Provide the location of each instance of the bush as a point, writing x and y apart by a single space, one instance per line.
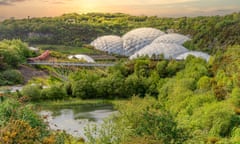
84 89
54 92
7 110
204 83
110 87
12 77
13 52
137 119
19 131
32 91
135 85
161 68
235 97
20 124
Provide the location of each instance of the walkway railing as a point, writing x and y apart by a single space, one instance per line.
71 64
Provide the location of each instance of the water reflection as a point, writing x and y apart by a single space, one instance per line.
73 119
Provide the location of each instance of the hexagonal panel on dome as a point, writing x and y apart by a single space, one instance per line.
193 53
168 50
138 38
172 38
111 44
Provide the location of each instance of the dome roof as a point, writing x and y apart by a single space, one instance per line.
138 38
111 44
82 57
172 38
167 49
193 53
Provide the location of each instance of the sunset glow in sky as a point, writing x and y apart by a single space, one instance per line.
169 8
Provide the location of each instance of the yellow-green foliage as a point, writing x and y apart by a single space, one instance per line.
138 119
19 131
20 124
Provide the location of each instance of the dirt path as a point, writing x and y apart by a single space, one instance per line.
30 72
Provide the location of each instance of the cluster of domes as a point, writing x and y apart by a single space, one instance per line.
147 42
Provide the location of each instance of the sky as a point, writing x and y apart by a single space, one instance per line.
162 8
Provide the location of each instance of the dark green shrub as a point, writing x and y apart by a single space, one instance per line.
12 77
110 87
173 67
161 68
32 91
84 89
54 92
135 85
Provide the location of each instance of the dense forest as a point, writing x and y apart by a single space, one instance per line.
165 101
207 33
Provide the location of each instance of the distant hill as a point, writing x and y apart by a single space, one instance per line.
208 33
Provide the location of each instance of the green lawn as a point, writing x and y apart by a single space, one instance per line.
69 49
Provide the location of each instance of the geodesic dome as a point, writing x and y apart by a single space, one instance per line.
168 50
172 38
111 44
193 53
138 38
82 57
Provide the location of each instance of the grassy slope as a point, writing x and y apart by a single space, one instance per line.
69 49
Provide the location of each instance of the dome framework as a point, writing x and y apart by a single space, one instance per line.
194 53
169 51
111 44
172 38
139 38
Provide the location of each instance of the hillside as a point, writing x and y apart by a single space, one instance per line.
160 100
207 33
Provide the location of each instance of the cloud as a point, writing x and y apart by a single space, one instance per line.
9 2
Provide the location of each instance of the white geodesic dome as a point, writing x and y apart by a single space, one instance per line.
111 44
172 38
138 38
168 50
82 57
193 53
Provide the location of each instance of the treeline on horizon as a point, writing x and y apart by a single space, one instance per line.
208 33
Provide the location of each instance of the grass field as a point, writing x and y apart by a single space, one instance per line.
76 101
69 49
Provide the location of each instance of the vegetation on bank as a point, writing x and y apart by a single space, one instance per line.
85 49
12 54
191 101
73 102
20 124
198 103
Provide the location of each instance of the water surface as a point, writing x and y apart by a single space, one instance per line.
73 119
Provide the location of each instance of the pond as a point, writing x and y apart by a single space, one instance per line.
73 119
